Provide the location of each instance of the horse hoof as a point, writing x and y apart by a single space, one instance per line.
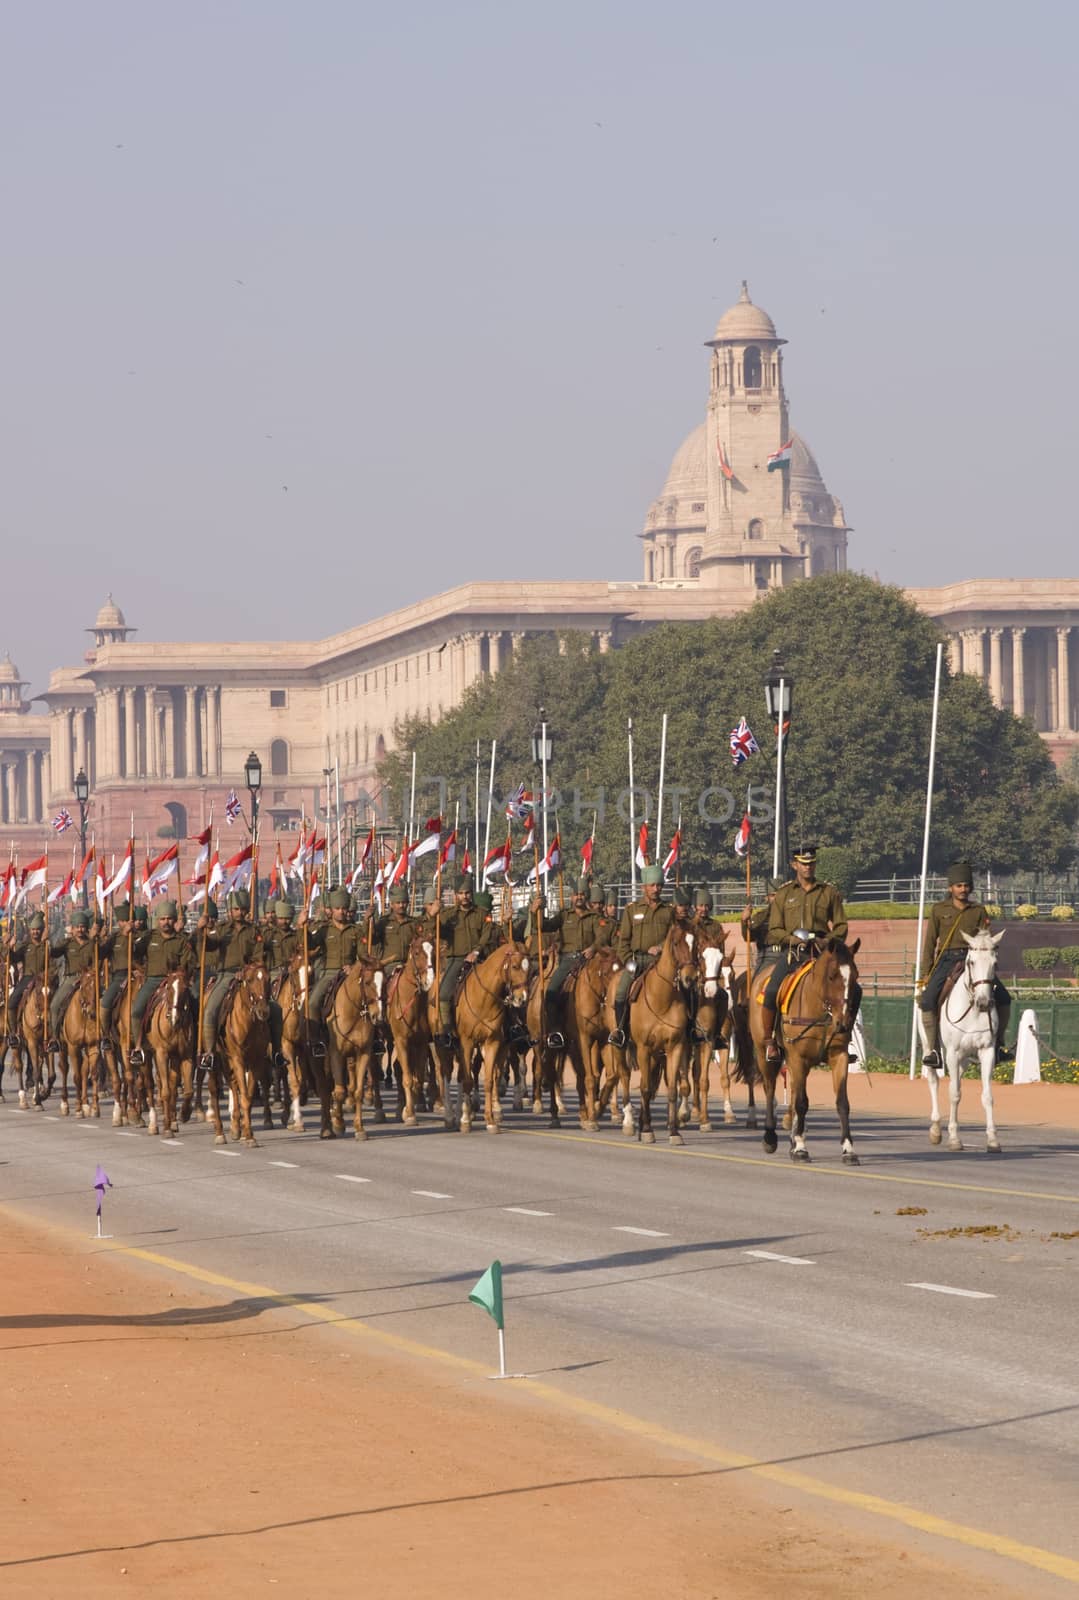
22 1099
850 1159
361 1133
590 1127
493 1127
464 1126
117 1117
751 1120
327 1133
730 1120
788 1119
78 1112
934 1133
380 1115
410 1122
955 1144
648 1138
675 1138
219 1138
705 1127
799 1155
770 1142
555 1122
993 1148
198 1115
294 1127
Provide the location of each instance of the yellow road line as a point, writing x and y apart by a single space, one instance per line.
638 1428
780 1166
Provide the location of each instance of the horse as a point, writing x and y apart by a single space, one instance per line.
355 1012
713 1001
33 1059
548 1060
300 1062
170 1037
968 1032
245 1030
818 1034
658 1026
407 1014
80 1048
492 986
586 1031
735 1046
138 1081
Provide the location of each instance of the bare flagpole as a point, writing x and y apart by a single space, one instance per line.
925 858
632 814
780 748
490 800
662 774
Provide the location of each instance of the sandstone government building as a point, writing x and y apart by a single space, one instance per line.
162 729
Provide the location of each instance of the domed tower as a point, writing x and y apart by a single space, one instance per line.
109 625
11 686
745 507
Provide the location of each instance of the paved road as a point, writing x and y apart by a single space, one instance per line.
788 1314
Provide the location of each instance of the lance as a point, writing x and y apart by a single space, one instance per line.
561 882
7 959
925 856
749 885
490 798
662 772
632 814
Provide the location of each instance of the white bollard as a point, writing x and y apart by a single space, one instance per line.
1027 1054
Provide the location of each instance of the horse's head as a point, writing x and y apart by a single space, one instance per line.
372 983
517 971
981 965
177 991
839 977
682 944
255 983
710 961
421 955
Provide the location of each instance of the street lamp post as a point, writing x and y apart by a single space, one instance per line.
253 779
82 795
777 694
542 753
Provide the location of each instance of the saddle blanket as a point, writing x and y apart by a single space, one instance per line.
790 986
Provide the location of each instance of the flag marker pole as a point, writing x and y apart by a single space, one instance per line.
925 859
632 814
490 799
780 748
662 774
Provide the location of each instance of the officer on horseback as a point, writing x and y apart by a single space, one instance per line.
644 926
236 944
80 954
338 943
392 935
168 950
114 948
943 948
755 920
575 929
469 933
803 910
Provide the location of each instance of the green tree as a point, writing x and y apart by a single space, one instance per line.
862 661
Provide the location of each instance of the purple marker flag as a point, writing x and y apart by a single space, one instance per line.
102 1181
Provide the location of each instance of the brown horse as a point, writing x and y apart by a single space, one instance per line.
80 1048
734 1048
658 1029
355 1012
713 1000
816 1033
407 1013
170 1035
586 1031
300 1063
33 1059
548 1060
138 1081
492 986
245 1032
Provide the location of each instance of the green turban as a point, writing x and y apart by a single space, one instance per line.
652 875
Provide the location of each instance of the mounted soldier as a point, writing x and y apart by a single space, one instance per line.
167 950
755 920
644 926
606 926
703 920
236 944
469 934
944 948
114 947
392 935
29 954
803 910
281 942
79 952
337 942
575 930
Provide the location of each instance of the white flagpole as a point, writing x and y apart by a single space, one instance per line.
779 778
411 820
477 812
925 859
662 773
337 808
632 815
490 801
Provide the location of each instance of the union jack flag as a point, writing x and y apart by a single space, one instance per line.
743 744
233 808
519 804
62 820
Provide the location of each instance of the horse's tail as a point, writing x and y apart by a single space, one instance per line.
745 1060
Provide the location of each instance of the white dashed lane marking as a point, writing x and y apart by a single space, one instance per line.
172 1144
524 1211
788 1261
120 1134
226 1152
645 1233
946 1288
432 1194
350 1177
284 1163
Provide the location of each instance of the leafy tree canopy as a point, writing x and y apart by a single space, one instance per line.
861 657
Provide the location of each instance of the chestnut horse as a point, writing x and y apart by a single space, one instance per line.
492 986
245 1031
80 1048
713 1000
586 1031
816 1034
32 1056
355 1012
407 1014
658 1026
300 1063
170 1035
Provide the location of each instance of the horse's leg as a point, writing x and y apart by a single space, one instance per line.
244 1082
589 1048
798 1074
294 1068
987 1061
265 1075
840 1068
934 1105
92 1057
955 1064
491 1058
645 1068
769 1073
64 1107
362 1071
705 1053
674 1068
337 1069
187 1081
551 1067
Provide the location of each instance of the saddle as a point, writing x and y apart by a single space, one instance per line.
790 986
330 996
948 985
637 985
574 973
391 987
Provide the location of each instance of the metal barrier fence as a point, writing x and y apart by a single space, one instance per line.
887 1020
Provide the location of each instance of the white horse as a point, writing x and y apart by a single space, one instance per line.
968 1032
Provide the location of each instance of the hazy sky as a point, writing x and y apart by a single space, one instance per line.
315 309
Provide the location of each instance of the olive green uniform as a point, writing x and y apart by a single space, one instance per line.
641 927
165 953
31 957
817 909
114 948
576 932
755 928
944 945
464 929
78 957
337 948
236 945
606 931
391 939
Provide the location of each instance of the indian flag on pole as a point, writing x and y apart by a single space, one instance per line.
781 457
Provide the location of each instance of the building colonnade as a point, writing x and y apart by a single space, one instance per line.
1030 670
138 732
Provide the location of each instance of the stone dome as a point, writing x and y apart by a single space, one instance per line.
110 615
682 501
744 321
9 672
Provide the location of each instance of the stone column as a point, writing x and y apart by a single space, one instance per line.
1019 677
112 734
954 652
61 747
1063 717
168 730
191 744
494 653
11 784
603 640
149 716
974 652
131 735
996 666
79 719
46 780
517 640
213 738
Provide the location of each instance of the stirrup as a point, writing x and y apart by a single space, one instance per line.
1005 1053
279 1059
617 1037
447 1039
13 1041
772 1052
379 1046
931 1059
206 1060
318 1049
556 1040
53 1046
137 1057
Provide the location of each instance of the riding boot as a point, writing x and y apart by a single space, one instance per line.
931 1030
1003 1051
617 1035
772 1053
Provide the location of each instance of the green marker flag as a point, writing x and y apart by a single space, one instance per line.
488 1294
